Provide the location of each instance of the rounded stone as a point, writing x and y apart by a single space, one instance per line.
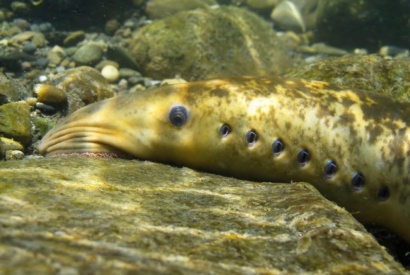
54 58
88 54
127 73
83 86
208 43
23 36
110 73
50 95
106 62
287 16
39 40
14 155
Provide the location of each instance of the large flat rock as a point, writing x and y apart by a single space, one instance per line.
89 215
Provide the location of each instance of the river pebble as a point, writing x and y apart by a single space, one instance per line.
88 54
50 95
110 73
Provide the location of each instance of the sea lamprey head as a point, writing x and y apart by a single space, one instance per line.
159 124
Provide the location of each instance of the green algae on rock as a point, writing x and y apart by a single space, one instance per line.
15 121
82 85
43 124
208 43
369 73
95 215
10 144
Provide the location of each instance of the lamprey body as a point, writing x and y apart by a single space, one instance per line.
352 146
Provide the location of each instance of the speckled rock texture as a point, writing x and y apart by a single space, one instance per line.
96 216
371 73
15 121
207 43
11 89
82 85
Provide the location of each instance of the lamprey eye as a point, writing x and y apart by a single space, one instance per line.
251 137
384 193
225 130
277 147
178 115
330 169
357 181
303 157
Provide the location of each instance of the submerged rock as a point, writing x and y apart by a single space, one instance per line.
94 215
82 86
208 43
89 54
286 15
369 73
11 89
15 121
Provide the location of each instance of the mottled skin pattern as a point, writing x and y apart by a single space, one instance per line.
359 131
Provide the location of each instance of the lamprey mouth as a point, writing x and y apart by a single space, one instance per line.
81 141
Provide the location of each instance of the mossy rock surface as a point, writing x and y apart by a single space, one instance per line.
83 85
370 73
11 89
15 121
208 43
89 215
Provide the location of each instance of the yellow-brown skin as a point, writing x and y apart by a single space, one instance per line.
359 131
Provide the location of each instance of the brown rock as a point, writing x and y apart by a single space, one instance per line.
89 215
50 94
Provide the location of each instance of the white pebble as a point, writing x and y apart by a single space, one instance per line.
14 155
42 78
110 73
